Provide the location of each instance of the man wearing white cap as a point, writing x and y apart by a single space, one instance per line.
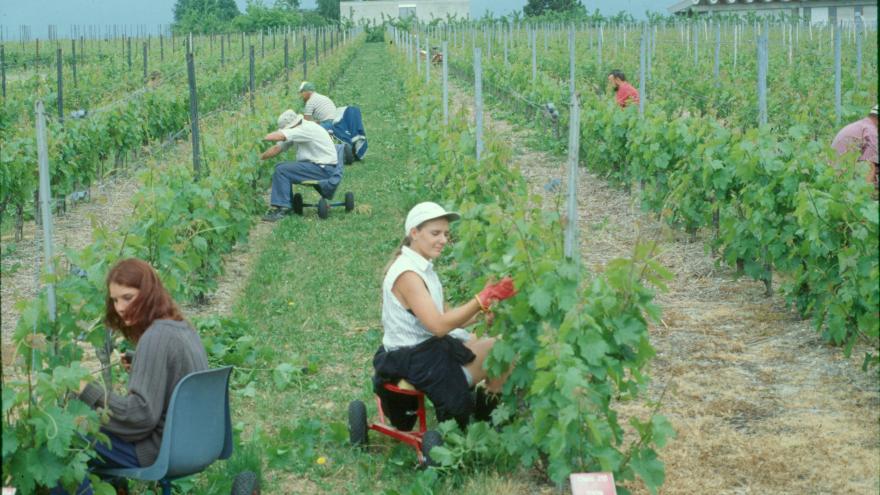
423 342
860 136
317 159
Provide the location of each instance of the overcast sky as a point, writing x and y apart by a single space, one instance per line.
151 13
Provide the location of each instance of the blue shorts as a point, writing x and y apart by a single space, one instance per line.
119 454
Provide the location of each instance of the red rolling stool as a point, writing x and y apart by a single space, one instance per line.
422 440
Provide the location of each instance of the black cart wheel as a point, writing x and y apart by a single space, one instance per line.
430 440
246 483
357 423
347 154
298 203
349 201
323 208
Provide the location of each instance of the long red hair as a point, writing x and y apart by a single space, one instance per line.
152 303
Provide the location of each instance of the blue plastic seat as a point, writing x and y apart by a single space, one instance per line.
196 432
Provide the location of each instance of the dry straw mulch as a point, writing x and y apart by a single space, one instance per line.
760 404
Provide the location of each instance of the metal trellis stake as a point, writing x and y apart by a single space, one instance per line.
286 62
45 207
859 33
837 73
3 68
251 84
571 75
445 85
762 74
59 64
193 113
73 60
534 56
573 158
478 99
717 54
643 54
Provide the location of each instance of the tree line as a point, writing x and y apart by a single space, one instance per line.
217 16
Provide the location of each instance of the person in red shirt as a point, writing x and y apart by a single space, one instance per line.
861 136
626 93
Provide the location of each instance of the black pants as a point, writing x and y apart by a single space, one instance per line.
434 367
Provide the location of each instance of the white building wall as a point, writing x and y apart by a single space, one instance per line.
426 10
846 14
819 15
869 15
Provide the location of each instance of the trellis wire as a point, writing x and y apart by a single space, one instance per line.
445 84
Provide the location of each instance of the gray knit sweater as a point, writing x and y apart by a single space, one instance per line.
166 352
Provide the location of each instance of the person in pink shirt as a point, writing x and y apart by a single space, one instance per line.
626 93
860 136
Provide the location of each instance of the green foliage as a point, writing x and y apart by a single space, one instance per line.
182 227
375 34
258 17
223 10
579 340
540 7
246 456
203 16
44 439
480 447
773 197
329 9
425 483
81 148
287 4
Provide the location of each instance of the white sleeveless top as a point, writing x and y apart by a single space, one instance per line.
402 328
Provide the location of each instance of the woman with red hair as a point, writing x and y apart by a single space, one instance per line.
167 349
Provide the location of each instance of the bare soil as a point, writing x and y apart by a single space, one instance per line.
110 205
237 266
759 402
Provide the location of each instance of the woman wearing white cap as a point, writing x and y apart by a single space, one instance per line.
423 342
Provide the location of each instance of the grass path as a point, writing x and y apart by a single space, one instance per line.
759 404
314 294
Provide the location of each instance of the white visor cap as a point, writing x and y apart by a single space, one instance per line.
423 212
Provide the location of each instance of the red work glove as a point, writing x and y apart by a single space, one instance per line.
496 292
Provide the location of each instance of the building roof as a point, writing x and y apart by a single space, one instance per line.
683 6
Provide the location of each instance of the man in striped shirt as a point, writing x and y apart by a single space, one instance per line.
319 108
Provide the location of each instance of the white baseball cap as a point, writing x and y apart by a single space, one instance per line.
288 119
423 212
873 111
